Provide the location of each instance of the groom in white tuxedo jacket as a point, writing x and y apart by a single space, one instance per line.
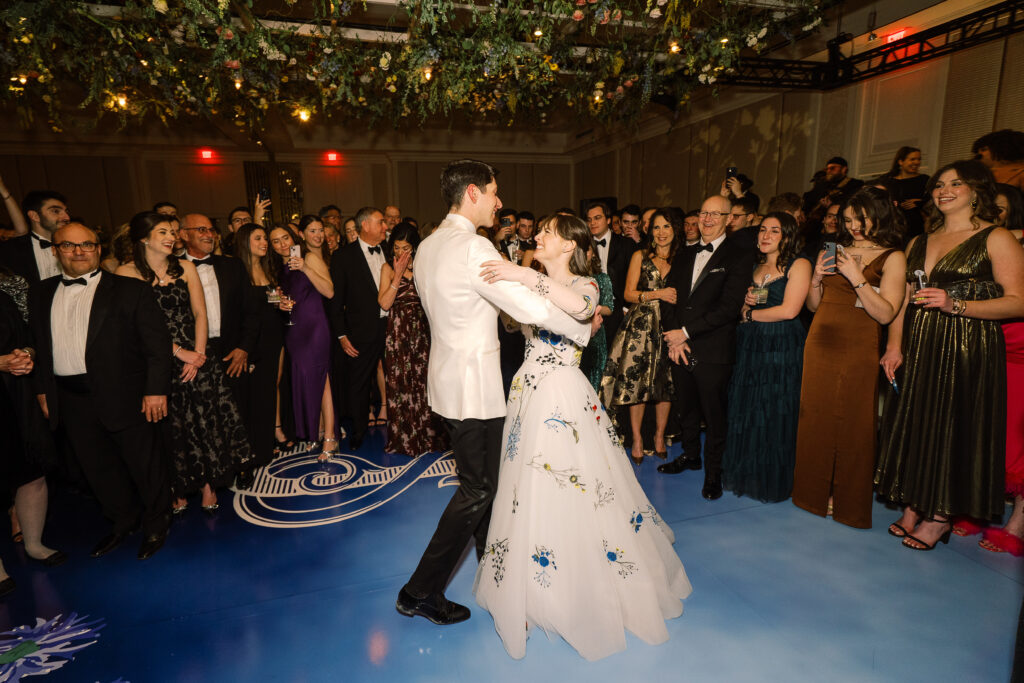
464 375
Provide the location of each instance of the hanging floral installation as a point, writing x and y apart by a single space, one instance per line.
398 62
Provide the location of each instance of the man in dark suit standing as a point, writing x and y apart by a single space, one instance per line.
614 252
710 279
357 320
232 314
30 256
102 376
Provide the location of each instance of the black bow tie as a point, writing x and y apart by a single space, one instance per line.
77 281
45 244
601 242
208 261
707 247
374 250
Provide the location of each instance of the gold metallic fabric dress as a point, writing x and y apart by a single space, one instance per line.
943 442
638 367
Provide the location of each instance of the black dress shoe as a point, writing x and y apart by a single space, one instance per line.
435 608
7 586
54 559
153 542
712 487
108 543
679 465
245 479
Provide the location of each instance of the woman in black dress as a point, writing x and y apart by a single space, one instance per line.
907 187
208 444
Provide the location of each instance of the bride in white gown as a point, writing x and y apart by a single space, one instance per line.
574 546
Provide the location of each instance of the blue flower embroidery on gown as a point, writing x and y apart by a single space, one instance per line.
565 486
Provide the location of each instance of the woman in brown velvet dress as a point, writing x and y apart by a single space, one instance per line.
412 428
835 448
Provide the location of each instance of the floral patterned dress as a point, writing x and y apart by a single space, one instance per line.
208 442
574 546
638 368
412 428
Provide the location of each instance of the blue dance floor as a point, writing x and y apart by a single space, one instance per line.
297 580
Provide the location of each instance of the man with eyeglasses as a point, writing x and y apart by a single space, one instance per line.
31 255
103 372
232 312
710 279
743 225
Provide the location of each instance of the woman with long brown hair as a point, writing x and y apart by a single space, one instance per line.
944 439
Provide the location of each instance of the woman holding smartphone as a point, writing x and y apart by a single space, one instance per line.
306 281
851 296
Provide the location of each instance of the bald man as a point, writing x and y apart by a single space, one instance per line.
710 279
103 373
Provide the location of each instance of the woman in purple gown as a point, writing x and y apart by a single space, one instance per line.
306 281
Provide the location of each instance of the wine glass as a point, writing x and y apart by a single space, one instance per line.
288 303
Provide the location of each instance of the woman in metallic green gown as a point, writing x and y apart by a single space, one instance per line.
943 440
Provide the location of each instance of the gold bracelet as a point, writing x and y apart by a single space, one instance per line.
958 307
641 297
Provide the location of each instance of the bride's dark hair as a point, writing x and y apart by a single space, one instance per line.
574 229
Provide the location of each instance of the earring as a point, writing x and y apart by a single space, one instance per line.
974 203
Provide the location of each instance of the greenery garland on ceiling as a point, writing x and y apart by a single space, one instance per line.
509 61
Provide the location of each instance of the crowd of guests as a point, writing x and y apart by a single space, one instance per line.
170 357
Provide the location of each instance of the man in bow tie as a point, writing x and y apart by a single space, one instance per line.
710 279
614 252
30 256
357 320
103 372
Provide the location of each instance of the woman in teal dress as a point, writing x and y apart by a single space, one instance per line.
596 353
943 442
764 393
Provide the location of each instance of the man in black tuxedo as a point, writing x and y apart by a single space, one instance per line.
232 313
30 256
103 372
710 279
357 320
615 252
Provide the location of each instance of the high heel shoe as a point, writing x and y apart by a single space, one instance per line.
326 453
944 538
211 510
285 444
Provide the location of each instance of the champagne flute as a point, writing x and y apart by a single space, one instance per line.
288 303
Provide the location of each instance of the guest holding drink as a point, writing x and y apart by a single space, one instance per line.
852 295
764 391
306 282
413 429
944 439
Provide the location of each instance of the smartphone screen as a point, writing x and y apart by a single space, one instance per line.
830 253
730 172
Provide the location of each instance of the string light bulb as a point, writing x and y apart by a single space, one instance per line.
122 101
537 32
303 115
673 47
238 84
724 41
22 79
428 73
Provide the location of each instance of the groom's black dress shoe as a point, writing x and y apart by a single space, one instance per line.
435 608
153 543
712 486
108 543
679 464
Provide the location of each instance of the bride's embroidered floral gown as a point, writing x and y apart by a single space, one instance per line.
574 546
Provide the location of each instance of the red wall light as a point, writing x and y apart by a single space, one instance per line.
206 154
332 157
896 35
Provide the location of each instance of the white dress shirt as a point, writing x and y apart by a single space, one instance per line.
602 251
376 262
464 371
208 278
703 257
69 324
46 259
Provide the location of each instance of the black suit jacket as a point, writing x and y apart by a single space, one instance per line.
127 352
239 305
16 254
354 310
711 311
620 251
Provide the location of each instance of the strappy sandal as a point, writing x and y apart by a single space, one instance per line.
326 453
944 538
1002 541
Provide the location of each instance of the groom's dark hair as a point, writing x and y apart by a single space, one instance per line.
458 175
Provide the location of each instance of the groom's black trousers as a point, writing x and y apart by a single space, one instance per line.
477 446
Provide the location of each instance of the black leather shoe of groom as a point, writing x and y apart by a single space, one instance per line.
712 486
435 608
680 464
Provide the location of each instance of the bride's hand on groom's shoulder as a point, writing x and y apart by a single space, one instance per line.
498 270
